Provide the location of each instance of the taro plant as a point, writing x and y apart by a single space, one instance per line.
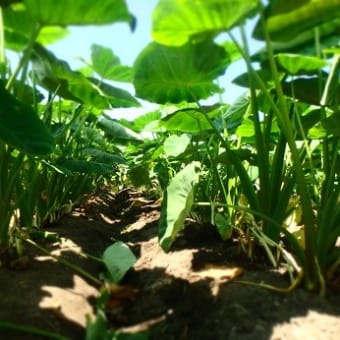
282 155
49 149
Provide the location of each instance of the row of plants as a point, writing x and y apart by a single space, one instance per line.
264 168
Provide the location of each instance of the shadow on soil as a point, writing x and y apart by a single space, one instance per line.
171 303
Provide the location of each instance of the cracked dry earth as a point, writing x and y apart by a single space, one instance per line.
184 294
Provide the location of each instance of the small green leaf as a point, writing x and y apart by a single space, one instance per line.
108 66
223 226
246 129
177 202
176 145
118 259
174 74
298 64
21 127
97 328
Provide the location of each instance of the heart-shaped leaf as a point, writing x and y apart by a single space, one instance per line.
173 74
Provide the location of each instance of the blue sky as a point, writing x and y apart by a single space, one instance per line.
126 44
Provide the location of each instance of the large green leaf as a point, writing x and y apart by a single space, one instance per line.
108 65
78 12
118 259
19 26
173 74
177 203
56 76
286 20
175 22
21 127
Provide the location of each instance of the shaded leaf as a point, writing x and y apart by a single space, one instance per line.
175 22
118 98
286 20
265 75
303 89
332 124
139 175
173 74
177 202
56 76
70 166
117 130
21 127
104 157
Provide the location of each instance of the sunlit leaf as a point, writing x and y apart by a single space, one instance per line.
175 22
78 12
108 65
173 74
299 64
118 259
286 20
21 127
19 26
177 202
246 129
175 145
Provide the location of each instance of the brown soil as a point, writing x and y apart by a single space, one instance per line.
175 295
